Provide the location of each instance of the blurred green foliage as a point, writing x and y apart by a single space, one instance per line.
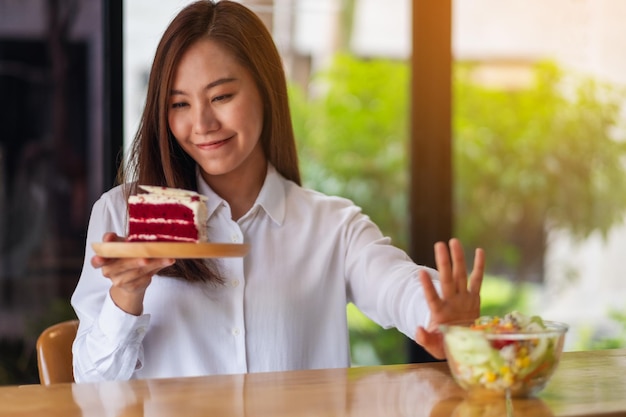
351 133
592 341
372 345
532 159
525 160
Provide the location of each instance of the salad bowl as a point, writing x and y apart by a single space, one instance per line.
512 356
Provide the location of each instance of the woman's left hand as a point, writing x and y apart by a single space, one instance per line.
460 294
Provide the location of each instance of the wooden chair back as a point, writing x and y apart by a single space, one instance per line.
54 353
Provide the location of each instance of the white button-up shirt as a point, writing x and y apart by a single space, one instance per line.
282 307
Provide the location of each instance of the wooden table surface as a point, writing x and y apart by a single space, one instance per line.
585 384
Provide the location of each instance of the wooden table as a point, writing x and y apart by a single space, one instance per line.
586 384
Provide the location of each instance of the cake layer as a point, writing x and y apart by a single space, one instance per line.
162 231
167 214
142 210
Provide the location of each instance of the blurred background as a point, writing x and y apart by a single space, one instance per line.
538 94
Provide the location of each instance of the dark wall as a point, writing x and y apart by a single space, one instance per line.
60 133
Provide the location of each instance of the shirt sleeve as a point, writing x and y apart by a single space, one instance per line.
108 345
382 280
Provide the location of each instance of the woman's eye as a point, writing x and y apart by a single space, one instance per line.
178 105
222 97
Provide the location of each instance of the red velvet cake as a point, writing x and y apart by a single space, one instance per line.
167 215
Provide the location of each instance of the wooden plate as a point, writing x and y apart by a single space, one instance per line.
177 250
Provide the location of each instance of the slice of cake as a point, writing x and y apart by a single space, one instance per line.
167 215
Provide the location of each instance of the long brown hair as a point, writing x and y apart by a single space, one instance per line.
156 158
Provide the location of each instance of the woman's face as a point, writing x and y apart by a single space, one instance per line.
215 111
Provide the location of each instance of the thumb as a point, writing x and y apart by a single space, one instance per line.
431 341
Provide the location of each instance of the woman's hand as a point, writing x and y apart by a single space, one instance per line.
130 277
460 296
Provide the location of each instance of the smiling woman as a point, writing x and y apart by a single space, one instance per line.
217 122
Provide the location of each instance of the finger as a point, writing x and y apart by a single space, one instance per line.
421 336
134 280
476 279
459 271
138 283
442 259
120 266
130 267
112 237
430 292
101 262
431 341
98 261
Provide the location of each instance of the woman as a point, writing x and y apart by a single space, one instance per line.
217 121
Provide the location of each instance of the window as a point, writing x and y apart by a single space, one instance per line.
539 161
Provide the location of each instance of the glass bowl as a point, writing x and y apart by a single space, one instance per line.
509 363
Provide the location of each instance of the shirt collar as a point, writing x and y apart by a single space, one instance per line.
271 198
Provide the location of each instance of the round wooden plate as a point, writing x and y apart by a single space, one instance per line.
177 250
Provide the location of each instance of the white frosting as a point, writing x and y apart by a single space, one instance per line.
159 195
164 221
179 192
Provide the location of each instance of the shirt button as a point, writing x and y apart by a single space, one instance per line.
236 331
235 283
234 238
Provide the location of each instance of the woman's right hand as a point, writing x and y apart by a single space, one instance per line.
130 277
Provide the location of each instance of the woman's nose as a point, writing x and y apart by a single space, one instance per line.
205 120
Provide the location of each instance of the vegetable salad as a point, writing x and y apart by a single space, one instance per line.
514 352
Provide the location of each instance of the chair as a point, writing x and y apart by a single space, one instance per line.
54 353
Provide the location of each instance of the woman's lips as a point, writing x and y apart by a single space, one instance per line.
213 145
